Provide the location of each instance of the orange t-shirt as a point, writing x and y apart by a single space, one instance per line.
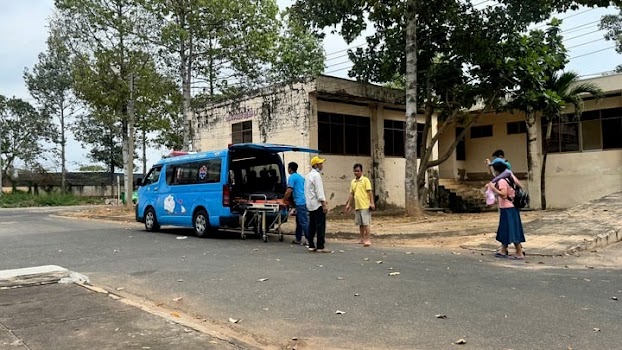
506 202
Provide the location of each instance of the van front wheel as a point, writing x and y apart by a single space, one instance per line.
201 224
151 221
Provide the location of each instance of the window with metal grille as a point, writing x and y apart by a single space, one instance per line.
344 134
242 132
395 138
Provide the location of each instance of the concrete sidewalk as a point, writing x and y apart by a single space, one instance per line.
37 312
588 226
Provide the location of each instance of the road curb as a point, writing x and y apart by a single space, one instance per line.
413 235
599 241
46 274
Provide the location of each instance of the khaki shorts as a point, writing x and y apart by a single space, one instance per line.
362 217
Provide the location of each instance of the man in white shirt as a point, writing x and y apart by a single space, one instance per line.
316 205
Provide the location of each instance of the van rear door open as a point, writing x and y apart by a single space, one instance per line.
257 171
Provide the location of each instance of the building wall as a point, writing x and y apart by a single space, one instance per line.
279 116
589 174
291 116
579 177
514 146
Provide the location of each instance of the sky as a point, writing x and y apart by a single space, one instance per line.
23 33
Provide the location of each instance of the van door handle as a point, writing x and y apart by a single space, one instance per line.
155 189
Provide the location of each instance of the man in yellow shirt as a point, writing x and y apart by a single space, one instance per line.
361 194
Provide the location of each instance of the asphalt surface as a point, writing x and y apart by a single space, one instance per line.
546 303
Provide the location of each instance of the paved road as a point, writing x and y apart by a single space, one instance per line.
546 303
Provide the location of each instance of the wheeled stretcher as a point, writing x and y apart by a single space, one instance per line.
261 215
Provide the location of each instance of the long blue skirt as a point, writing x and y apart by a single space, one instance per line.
510 227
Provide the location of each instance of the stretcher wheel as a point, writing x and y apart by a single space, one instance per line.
243 236
265 238
280 237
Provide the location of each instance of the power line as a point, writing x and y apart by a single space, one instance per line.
579 27
565 31
582 35
586 43
593 52
346 49
563 18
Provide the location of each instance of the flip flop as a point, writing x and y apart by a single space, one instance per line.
500 255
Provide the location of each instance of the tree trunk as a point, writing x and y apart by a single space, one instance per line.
545 152
144 153
413 206
129 166
186 83
533 163
63 177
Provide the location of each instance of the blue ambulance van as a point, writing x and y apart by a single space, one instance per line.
200 190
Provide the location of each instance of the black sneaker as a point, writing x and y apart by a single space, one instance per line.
295 242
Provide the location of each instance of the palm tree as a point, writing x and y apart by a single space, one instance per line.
563 89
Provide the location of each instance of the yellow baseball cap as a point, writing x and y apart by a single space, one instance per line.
317 160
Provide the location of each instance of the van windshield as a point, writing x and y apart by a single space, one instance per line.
256 173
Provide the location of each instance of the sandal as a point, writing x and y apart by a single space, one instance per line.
500 255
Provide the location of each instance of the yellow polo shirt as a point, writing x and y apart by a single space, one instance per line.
359 188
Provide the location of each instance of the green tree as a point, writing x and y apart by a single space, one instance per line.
103 135
212 43
298 52
562 89
50 84
613 25
111 63
412 38
22 131
538 56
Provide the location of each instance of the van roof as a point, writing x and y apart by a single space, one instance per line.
268 147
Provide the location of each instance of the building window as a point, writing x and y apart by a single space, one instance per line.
395 138
594 130
461 146
612 128
242 132
481 131
344 134
516 128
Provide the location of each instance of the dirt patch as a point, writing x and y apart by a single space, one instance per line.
112 212
434 229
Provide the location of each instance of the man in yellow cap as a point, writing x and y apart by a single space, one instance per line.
316 205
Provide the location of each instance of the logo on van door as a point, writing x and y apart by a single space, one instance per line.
170 204
202 172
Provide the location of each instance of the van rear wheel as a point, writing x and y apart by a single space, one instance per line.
200 222
151 221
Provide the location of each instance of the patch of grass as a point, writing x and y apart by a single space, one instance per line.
19 199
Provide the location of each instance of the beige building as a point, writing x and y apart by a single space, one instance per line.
584 159
351 122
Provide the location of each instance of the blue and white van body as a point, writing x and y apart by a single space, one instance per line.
199 190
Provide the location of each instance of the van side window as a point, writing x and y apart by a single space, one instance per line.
205 171
170 171
153 176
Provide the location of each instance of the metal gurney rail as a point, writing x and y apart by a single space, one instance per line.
255 214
